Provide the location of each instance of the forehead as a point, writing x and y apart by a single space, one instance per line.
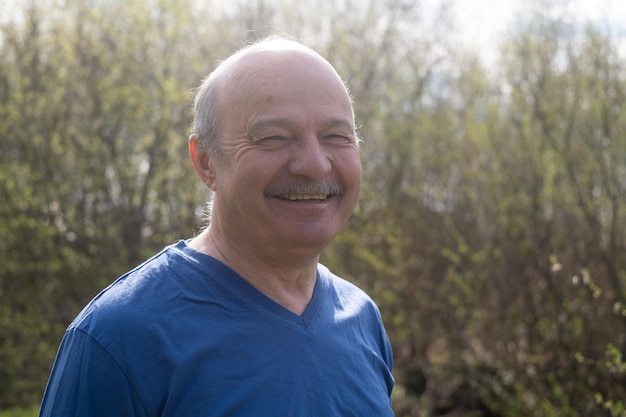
282 77
273 56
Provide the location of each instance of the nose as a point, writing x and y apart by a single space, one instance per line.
309 158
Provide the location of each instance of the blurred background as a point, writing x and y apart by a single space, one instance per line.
491 228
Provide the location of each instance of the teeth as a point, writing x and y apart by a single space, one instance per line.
294 197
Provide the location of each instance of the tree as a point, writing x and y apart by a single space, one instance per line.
95 115
491 223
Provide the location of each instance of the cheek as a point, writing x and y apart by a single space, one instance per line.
350 167
349 173
253 173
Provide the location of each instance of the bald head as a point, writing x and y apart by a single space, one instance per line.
246 71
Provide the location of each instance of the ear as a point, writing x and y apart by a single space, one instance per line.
203 163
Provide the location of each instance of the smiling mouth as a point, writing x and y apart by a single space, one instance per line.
300 197
304 191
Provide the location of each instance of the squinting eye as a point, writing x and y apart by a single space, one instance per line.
272 138
339 139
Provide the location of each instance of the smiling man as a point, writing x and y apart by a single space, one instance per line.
242 320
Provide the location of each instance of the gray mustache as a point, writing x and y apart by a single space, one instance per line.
304 188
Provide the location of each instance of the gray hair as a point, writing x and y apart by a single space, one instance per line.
206 115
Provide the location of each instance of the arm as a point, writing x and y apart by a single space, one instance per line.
87 381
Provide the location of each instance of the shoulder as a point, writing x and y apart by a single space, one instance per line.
135 295
355 312
339 283
346 294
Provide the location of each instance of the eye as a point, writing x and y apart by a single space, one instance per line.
273 141
339 138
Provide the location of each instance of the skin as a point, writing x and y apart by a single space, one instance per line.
285 118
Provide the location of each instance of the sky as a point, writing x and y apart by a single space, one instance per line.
483 22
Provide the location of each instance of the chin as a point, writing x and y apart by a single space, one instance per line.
305 241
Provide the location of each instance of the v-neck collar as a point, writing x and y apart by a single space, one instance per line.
250 295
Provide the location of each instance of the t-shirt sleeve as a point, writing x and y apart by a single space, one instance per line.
386 351
87 382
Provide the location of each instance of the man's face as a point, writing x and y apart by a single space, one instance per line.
289 175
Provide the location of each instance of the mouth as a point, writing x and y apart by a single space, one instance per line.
298 191
305 197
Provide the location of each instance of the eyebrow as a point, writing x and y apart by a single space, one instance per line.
340 122
330 123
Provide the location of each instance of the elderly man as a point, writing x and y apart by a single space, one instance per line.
242 320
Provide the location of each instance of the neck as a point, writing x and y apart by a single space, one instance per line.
289 282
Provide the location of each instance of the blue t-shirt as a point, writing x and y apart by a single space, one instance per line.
183 335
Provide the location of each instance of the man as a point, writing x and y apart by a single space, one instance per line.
242 320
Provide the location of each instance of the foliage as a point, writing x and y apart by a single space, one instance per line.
492 223
20 412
